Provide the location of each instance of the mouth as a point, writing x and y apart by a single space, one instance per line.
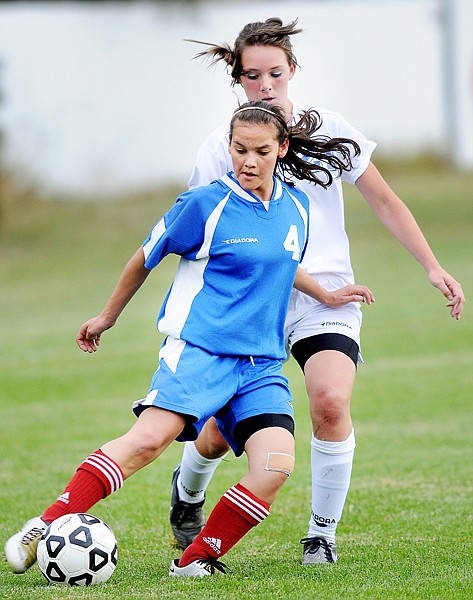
268 99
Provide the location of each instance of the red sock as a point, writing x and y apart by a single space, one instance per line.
97 477
237 511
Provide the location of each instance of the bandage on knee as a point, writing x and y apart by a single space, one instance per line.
280 462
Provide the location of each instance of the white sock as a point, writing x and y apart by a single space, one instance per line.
195 474
331 471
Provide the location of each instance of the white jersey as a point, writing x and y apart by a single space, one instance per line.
327 256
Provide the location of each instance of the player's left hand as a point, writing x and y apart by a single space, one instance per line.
452 291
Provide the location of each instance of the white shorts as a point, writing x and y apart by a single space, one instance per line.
306 317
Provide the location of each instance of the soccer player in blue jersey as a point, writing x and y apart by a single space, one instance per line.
324 335
240 240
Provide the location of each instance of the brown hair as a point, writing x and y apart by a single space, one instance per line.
308 155
270 33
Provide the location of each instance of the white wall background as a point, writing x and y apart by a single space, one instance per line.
100 98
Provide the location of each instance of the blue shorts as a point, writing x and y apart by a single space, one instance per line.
199 385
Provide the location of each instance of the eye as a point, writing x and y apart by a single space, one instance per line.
276 74
251 76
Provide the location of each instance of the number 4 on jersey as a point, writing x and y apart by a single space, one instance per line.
291 243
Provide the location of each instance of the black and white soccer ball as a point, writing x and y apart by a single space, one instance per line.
77 549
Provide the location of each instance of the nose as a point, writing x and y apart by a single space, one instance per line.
250 160
265 83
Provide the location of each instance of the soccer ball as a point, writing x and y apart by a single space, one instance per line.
77 549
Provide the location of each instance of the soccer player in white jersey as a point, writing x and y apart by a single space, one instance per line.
325 340
240 241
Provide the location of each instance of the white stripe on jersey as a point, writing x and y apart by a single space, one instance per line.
156 233
237 189
278 190
244 194
302 211
210 226
189 279
108 468
171 352
246 503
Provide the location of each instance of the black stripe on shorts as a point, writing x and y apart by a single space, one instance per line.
303 349
246 428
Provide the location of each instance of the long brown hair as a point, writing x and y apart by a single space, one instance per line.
309 155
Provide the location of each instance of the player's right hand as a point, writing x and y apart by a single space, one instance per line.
88 337
350 293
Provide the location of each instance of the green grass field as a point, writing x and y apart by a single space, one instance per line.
407 529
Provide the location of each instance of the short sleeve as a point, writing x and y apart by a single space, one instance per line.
180 231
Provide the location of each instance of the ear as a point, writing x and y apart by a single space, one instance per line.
283 148
292 70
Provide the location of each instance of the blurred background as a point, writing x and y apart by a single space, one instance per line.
99 99
103 101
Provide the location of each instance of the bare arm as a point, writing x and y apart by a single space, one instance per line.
132 278
350 293
398 219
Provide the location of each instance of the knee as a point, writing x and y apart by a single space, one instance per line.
148 448
146 452
265 485
210 442
329 406
266 481
215 447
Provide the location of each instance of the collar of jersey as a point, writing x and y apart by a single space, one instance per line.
233 184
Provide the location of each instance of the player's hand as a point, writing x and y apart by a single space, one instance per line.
350 293
452 291
88 337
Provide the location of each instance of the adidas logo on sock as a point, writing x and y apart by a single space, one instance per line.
214 543
64 498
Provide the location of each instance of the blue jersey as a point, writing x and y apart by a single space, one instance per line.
238 262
